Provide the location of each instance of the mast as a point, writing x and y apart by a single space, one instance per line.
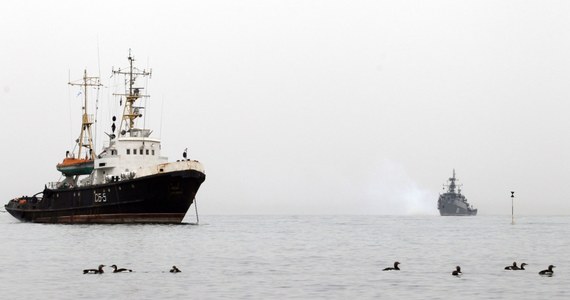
86 137
452 183
131 112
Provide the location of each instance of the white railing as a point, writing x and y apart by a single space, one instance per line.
52 185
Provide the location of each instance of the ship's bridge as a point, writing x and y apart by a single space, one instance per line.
127 154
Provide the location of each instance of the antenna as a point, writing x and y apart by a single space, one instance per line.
512 208
98 90
70 106
161 114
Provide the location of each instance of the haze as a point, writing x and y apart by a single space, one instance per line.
307 107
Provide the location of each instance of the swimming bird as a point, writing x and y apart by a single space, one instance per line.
522 266
175 270
94 271
549 272
120 270
513 267
395 268
457 271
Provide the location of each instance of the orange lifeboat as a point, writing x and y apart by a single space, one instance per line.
76 166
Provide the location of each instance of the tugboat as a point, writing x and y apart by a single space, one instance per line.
127 182
452 203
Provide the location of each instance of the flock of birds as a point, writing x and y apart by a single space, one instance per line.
457 272
116 269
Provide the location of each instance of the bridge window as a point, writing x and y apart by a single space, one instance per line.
146 151
134 151
128 151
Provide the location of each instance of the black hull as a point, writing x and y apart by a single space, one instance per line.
161 198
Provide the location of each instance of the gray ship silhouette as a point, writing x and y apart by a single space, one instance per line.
452 203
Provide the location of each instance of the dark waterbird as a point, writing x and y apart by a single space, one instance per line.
175 270
522 266
457 271
395 268
549 272
513 267
120 270
94 271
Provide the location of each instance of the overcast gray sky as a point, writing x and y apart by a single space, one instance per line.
308 107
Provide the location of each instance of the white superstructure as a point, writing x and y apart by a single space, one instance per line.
131 152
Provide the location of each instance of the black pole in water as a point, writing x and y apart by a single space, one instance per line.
512 208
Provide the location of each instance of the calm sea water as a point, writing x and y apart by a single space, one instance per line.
289 257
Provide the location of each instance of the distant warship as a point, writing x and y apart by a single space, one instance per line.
454 204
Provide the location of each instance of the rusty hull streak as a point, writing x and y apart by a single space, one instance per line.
164 218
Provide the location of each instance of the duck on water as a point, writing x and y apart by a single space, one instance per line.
395 268
457 271
515 267
116 270
175 270
99 270
548 272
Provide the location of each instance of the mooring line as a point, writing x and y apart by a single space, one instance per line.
196 209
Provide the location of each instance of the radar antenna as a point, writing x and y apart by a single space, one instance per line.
131 112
